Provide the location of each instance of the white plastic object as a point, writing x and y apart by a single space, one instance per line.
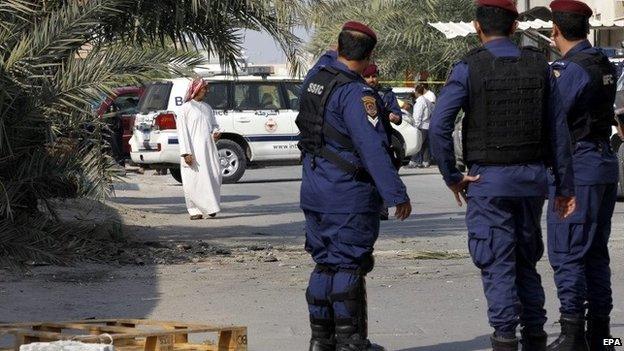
66 346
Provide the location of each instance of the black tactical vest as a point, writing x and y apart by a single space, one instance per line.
593 121
311 119
506 121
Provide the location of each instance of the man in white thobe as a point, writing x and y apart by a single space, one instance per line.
201 172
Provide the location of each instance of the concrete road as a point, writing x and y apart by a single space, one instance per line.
425 294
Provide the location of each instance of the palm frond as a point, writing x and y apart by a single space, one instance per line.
406 41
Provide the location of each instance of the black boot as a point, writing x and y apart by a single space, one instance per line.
572 337
534 340
598 330
322 335
504 344
352 333
348 338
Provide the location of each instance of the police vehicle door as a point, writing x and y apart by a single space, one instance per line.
260 118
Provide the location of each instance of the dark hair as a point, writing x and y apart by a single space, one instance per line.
420 89
355 46
495 21
425 85
573 26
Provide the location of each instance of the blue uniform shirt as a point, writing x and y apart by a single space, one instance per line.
593 163
328 189
517 180
391 103
328 58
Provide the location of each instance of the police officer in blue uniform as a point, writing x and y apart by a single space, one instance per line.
510 129
388 108
577 246
389 112
347 177
388 97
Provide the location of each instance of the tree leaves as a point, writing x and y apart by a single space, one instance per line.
406 41
59 58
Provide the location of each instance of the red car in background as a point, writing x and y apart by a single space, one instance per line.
123 107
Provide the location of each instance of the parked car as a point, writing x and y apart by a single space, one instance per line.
123 104
255 112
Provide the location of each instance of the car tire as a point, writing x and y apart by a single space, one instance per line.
620 154
176 174
232 160
396 140
616 142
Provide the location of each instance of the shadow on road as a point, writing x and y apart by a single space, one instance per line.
84 290
176 200
226 225
264 181
478 343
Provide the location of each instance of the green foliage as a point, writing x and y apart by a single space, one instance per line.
406 41
58 58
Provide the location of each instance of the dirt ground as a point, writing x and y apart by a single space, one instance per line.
248 267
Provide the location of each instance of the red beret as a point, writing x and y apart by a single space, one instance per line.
571 6
359 27
370 70
508 5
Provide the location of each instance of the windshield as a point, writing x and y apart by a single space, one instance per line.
156 97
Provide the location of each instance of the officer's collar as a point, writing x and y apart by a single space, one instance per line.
498 42
584 45
341 66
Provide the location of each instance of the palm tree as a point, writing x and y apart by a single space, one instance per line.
51 144
406 41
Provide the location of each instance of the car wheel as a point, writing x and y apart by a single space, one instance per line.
176 174
232 160
620 154
398 141
616 142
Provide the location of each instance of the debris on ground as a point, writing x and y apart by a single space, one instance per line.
432 255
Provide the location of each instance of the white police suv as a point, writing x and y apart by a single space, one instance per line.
256 113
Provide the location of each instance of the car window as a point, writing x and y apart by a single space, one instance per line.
292 94
156 97
217 96
257 96
128 102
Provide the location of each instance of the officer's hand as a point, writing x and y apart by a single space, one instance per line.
403 211
459 189
189 159
565 206
394 118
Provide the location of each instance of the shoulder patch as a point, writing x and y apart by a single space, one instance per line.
370 105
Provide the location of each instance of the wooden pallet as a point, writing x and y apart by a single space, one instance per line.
129 334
